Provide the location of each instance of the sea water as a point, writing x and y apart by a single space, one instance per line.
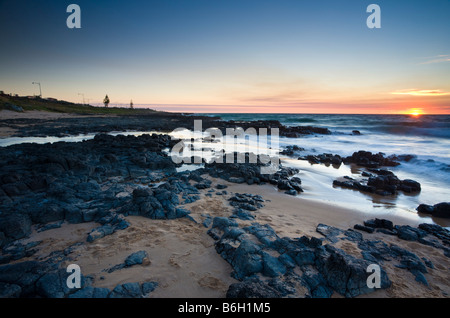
426 137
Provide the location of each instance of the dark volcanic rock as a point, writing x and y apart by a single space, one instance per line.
252 288
15 226
291 150
325 158
91 292
440 210
379 224
54 284
425 208
127 290
345 273
110 225
10 290
136 258
409 233
363 228
370 160
384 183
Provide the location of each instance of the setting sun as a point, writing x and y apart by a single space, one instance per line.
416 112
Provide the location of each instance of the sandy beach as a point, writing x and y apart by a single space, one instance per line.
183 261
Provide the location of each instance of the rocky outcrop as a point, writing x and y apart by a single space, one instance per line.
265 264
136 258
371 160
381 182
440 210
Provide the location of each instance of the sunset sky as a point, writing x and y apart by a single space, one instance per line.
277 56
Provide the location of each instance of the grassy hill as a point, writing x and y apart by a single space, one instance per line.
8 102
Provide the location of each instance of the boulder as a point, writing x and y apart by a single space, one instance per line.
247 260
100 232
345 273
140 257
379 223
409 233
15 226
223 222
363 228
54 284
272 267
442 210
316 284
425 208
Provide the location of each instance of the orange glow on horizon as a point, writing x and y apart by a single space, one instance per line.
415 112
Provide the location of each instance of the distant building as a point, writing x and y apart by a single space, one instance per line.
2 93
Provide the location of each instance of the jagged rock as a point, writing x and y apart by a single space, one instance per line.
316 284
100 232
127 290
247 260
223 222
252 288
54 284
91 292
136 258
329 232
363 228
15 226
272 267
379 223
345 273
408 233
385 183
367 159
265 234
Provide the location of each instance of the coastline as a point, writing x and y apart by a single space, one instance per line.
184 263
105 199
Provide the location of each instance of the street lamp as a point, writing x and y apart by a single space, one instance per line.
40 91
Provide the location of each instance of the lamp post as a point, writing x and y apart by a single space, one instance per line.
40 91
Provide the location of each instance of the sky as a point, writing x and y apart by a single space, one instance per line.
218 56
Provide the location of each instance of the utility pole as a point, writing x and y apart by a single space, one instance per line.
83 97
40 91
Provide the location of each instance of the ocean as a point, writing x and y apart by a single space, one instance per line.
426 137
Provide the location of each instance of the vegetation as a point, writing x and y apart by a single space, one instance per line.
41 104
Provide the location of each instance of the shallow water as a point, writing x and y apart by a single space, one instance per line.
431 167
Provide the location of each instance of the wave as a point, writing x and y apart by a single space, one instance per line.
301 120
426 125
